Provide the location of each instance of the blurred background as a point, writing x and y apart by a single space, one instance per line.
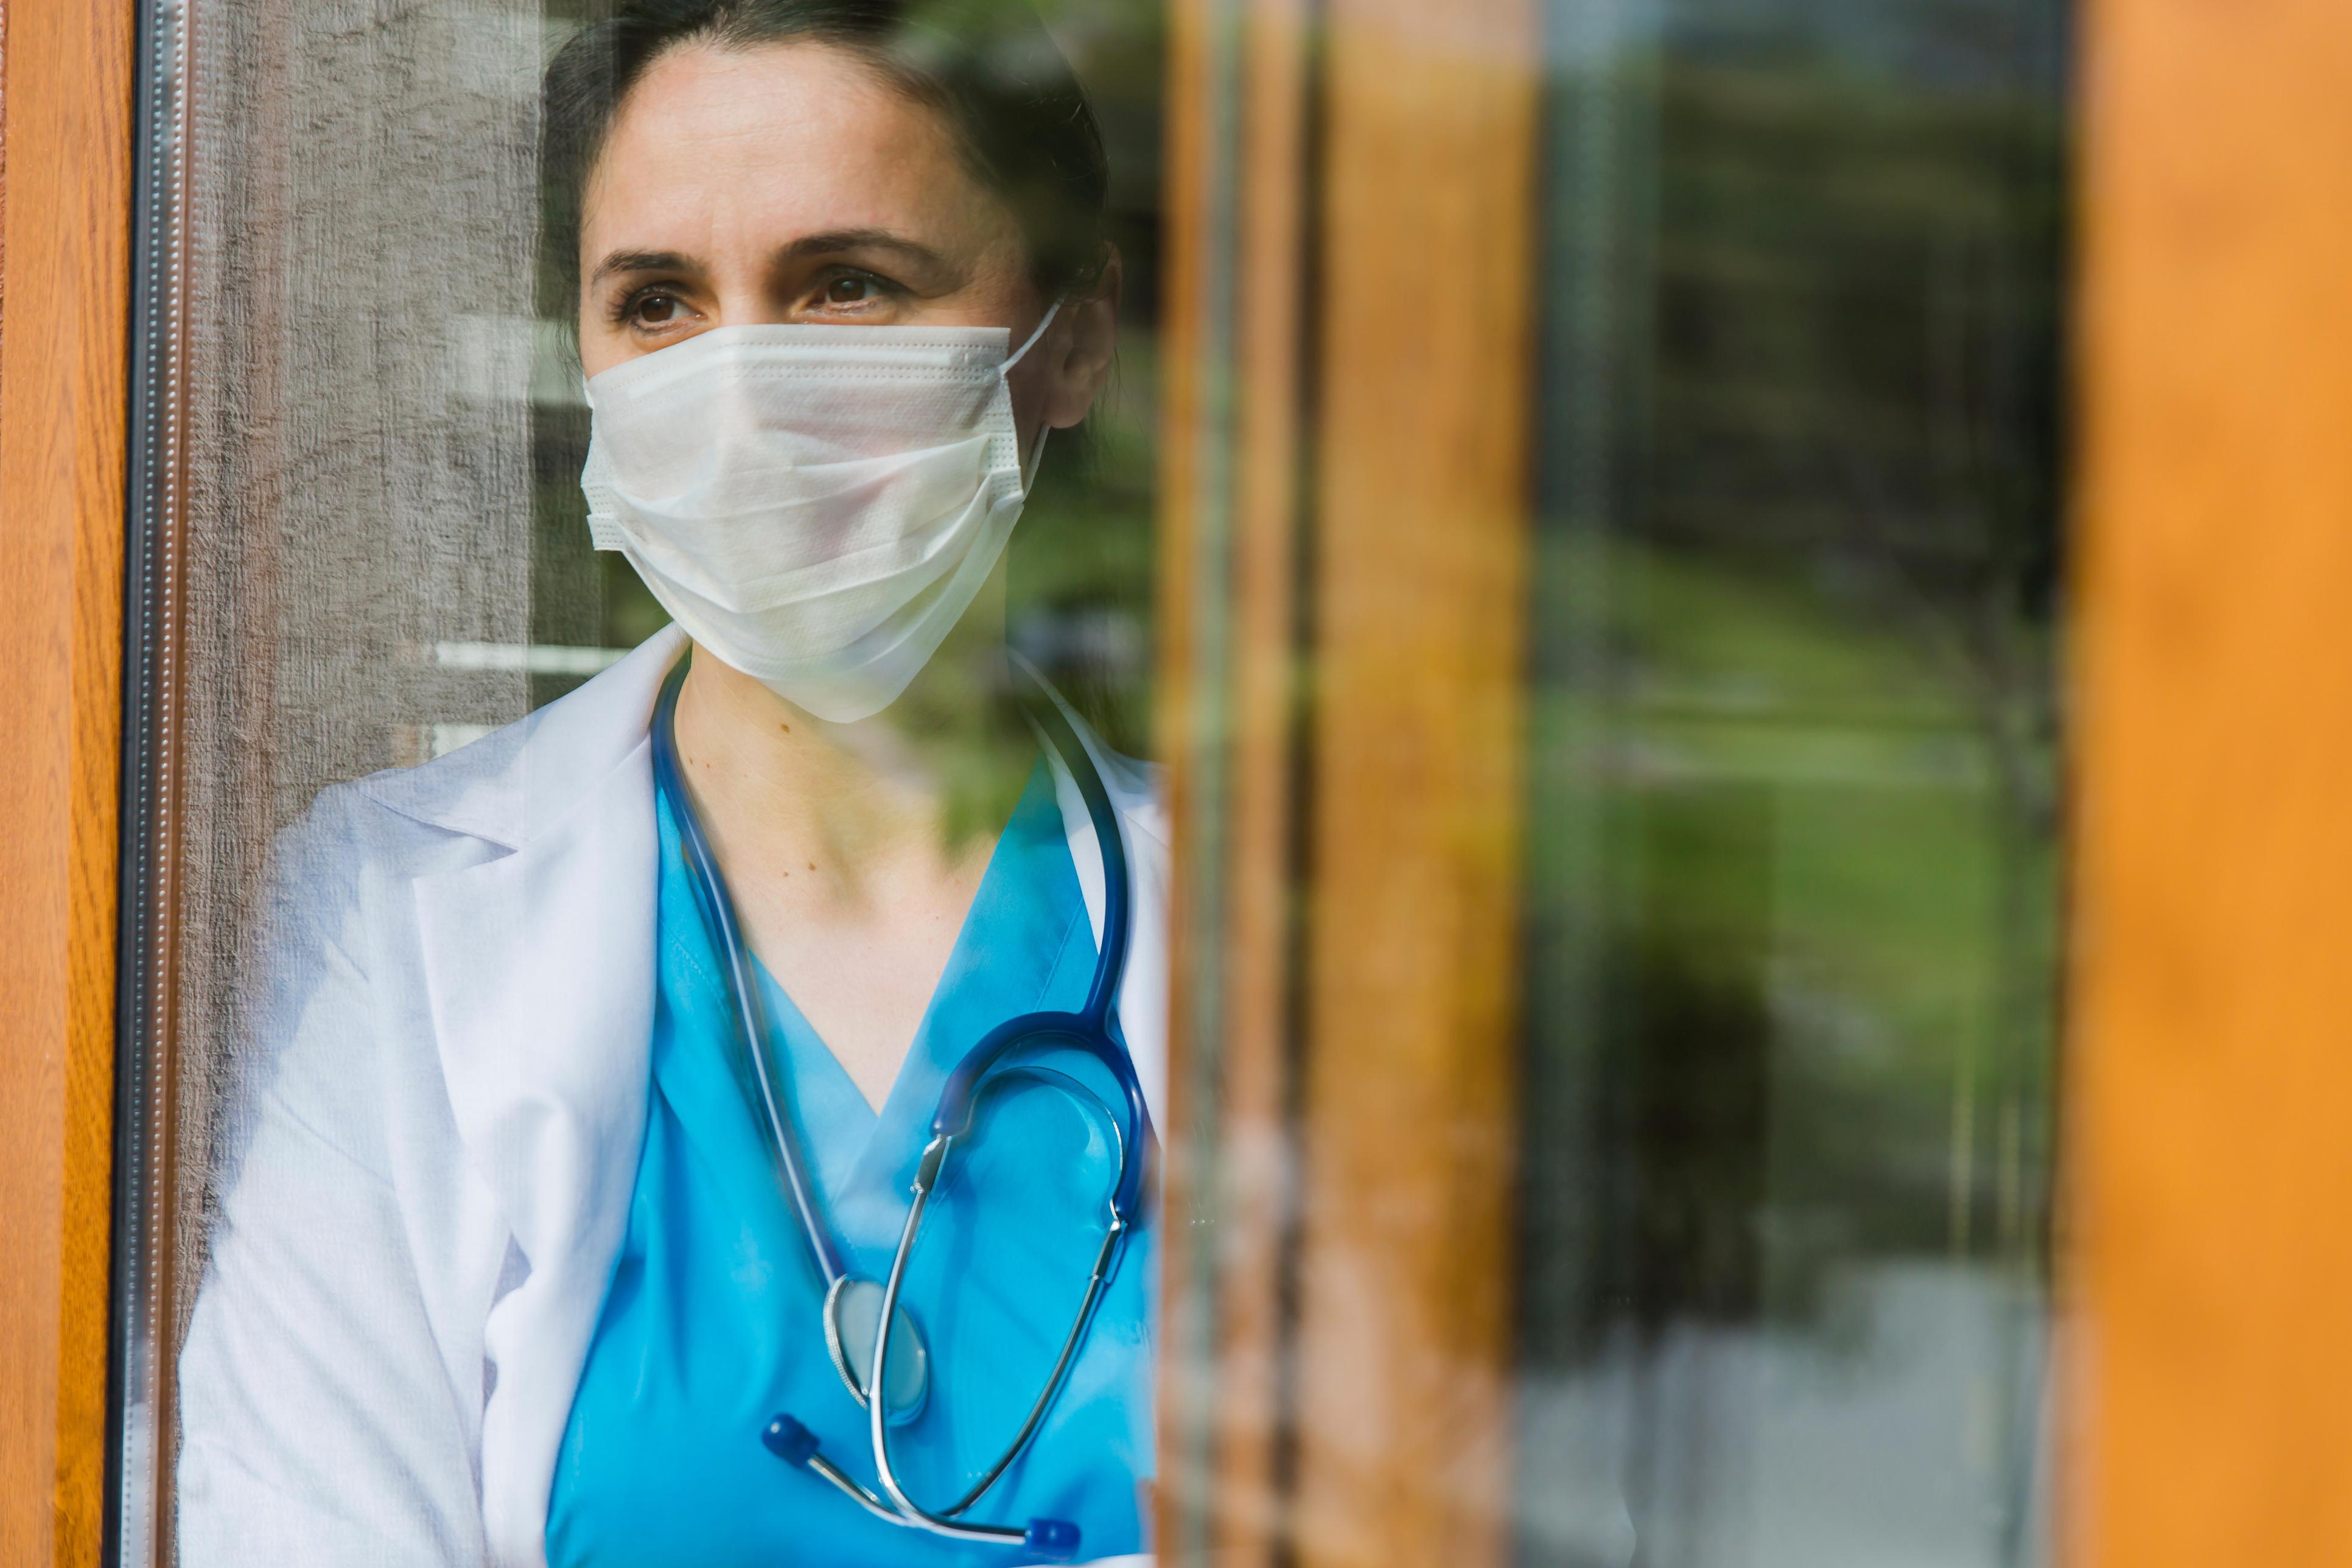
1793 826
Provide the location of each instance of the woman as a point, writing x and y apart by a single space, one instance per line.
573 1174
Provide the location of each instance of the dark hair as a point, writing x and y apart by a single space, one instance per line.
1017 113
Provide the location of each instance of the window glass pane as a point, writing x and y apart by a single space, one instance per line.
1792 861
1574 488
429 887
331 493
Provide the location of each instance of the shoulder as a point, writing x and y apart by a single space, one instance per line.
496 789
338 1013
353 834
339 1006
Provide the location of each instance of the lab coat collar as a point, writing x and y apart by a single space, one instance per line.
528 776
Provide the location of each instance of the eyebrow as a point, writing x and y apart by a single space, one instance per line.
862 239
642 261
831 242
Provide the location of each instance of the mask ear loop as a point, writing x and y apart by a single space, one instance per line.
1036 448
1031 341
1037 457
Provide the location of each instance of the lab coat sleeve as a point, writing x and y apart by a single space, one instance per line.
322 1420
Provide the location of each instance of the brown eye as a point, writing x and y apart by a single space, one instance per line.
848 289
655 310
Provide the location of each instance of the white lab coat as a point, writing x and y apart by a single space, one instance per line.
435 1135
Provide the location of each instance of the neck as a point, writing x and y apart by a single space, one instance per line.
921 786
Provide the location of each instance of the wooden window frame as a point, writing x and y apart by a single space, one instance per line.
66 123
2205 1257
1345 530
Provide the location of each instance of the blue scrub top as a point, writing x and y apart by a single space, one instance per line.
711 1322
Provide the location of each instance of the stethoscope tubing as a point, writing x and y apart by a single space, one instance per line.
1097 1279
710 891
1093 1028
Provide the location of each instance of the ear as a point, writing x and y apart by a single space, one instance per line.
1080 349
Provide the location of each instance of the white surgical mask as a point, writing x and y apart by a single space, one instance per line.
815 505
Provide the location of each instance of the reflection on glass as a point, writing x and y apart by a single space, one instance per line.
1792 857
430 1067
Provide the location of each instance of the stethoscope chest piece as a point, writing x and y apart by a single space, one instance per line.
853 1317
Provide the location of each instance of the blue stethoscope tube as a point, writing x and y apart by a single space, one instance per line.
1093 1029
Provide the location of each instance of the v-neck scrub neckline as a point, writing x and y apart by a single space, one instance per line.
711 1326
1024 931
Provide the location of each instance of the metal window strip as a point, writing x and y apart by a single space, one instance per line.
139 1420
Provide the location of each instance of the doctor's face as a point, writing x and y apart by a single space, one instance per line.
792 184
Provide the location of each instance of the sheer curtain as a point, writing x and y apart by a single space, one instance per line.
338 253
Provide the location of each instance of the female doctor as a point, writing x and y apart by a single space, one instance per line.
623 1072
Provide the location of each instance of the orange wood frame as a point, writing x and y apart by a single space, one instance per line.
1348 667
1239 1207
1423 516
2209 1260
65 227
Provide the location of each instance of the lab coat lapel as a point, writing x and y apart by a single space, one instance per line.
540 968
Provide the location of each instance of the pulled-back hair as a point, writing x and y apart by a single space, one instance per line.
1014 109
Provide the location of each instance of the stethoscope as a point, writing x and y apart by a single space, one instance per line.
856 1308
